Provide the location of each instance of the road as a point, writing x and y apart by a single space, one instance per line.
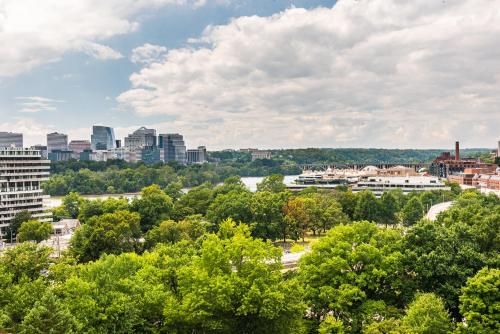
436 209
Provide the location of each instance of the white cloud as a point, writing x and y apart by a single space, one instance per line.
34 104
364 73
148 54
100 51
35 32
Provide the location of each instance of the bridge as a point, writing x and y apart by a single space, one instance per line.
359 166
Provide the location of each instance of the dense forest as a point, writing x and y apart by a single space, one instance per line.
117 176
209 262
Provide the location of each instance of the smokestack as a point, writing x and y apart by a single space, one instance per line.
457 151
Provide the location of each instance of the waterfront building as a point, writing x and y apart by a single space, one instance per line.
57 142
197 156
142 137
102 138
21 173
78 146
172 148
9 139
380 184
256 155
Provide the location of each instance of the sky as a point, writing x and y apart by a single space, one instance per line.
255 73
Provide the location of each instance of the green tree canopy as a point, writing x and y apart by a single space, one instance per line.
153 206
272 183
480 302
33 230
111 233
352 273
427 315
412 212
367 207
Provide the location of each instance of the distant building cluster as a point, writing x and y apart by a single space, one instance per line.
257 154
143 145
467 172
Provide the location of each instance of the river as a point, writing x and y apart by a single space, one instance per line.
250 182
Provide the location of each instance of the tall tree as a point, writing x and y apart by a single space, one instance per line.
367 207
427 315
33 230
412 212
71 204
272 183
353 273
15 223
389 208
153 206
111 233
267 214
480 302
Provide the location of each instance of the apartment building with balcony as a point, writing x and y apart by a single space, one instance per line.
21 173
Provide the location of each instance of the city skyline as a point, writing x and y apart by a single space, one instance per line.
267 74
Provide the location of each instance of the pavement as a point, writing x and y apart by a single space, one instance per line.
437 209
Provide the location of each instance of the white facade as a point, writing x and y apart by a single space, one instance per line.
380 184
21 173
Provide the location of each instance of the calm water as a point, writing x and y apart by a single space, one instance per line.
250 182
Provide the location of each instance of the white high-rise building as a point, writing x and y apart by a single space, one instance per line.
21 173
9 139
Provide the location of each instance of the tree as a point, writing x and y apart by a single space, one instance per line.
267 214
49 315
298 217
272 183
427 315
33 230
327 212
174 190
18 219
25 260
480 302
353 273
196 201
231 184
412 212
331 326
367 207
71 204
234 286
348 200
153 206
235 205
389 208
169 231
111 233
439 259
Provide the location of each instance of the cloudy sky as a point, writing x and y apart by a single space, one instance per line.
255 73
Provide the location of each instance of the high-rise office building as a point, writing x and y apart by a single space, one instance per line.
142 137
197 156
9 139
42 149
172 147
57 142
21 173
78 146
103 138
